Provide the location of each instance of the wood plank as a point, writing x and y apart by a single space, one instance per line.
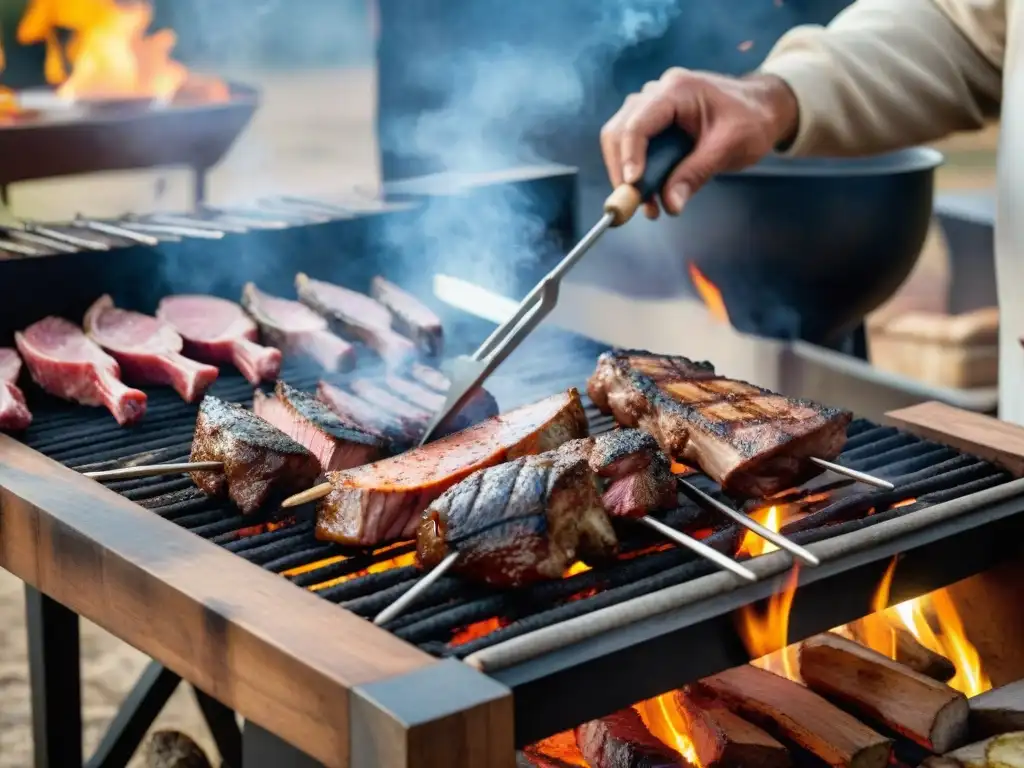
1000 710
275 653
788 710
723 739
909 652
914 705
983 436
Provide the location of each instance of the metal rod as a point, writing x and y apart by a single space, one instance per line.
752 525
115 231
708 553
46 242
166 229
19 248
860 477
88 244
187 221
417 589
305 202
154 470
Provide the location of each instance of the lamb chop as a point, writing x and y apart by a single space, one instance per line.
410 316
147 349
66 363
621 740
751 441
518 523
218 331
298 330
311 423
14 413
357 317
261 462
358 413
383 501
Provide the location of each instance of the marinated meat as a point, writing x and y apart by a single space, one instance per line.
147 349
356 412
481 404
14 413
384 500
309 422
261 463
358 317
66 363
413 419
518 523
297 330
622 740
218 331
410 317
751 441
430 377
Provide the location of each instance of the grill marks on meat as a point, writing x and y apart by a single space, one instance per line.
357 316
14 413
147 349
309 422
413 419
297 330
410 316
751 441
430 377
520 522
67 364
383 501
261 463
622 740
358 413
218 331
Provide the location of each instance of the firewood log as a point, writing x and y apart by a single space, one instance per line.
725 740
909 651
1003 751
173 749
790 711
1000 710
918 707
621 740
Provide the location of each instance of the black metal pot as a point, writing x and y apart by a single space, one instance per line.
805 248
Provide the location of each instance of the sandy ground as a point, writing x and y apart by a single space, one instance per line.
312 136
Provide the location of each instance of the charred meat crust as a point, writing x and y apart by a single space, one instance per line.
767 440
318 414
261 463
410 316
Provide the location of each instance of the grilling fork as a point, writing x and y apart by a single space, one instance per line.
468 372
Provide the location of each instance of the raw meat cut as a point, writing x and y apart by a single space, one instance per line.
297 330
430 377
66 363
148 349
217 331
410 317
14 413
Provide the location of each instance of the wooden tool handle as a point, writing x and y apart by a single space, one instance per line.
664 153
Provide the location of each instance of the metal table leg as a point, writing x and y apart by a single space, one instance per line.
262 749
55 676
224 727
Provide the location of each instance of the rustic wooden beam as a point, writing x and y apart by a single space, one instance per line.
723 739
983 436
788 710
275 653
918 707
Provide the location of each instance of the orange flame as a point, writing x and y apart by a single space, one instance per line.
766 634
666 721
409 558
709 294
753 544
561 747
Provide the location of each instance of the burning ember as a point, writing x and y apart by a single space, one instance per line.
108 53
667 721
709 294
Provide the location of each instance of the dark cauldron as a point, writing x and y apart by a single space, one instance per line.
805 248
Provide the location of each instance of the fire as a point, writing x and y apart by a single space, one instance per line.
666 721
561 747
109 54
753 544
709 294
766 634
477 630
409 558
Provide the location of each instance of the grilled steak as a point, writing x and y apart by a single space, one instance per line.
622 740
147 349
383 501
751 441
430 377
218 331
358 317
63 361
309 422
297 330
358 413
409 316
518 523
261 463
14 413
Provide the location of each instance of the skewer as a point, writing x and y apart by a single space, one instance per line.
31 237
752 525
88 244
315 493
191 223
167 229
115 231
861 477
416 590
153 470
19 248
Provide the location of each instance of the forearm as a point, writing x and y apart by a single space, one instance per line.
892 73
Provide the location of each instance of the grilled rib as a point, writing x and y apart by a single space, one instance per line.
751 441
383 501
261 463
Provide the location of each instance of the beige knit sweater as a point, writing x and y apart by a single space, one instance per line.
892 73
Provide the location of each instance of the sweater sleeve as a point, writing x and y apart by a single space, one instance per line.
892 73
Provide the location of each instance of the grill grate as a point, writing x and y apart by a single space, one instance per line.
454 618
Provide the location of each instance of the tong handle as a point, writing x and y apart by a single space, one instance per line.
664 152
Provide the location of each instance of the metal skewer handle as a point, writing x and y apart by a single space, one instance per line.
396 608
853 474
708 553
154 470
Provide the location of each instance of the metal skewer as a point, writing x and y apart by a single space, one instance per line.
115 231
416 590
192 223
167 229
88 244
31 237
708 553
861 477
154 470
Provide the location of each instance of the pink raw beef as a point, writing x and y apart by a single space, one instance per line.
64 362
148 350
14 414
